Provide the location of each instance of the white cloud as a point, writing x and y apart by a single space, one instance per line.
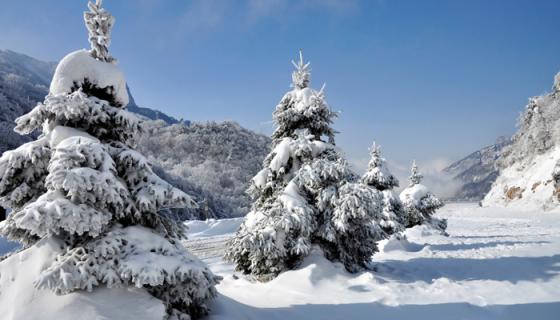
204 15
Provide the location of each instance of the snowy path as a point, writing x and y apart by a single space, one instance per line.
496 264
208 248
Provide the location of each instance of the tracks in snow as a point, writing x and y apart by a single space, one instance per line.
209 247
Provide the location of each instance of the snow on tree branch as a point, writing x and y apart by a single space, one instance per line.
99 23
302 73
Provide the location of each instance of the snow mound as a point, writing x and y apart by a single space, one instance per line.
399 244
19 299
422 231
79 66
414 194
61 133
529 186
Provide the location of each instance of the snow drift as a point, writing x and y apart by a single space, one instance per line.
19 299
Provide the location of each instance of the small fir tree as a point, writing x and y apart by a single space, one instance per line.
380 178
377 174
419 203
82 185
415 176
306 194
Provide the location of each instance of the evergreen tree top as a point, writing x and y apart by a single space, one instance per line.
415 176
375 153
99 23
302 73
303 108
377 174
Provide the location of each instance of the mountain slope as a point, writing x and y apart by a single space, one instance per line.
530 166
477 172
213 160
151 114
24 81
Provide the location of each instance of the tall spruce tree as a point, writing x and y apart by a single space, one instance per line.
306 193
380 178
82 185
419 203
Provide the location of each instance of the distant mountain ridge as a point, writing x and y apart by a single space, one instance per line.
152 114
24 81
477 172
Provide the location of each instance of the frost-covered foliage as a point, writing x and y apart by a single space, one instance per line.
420 204
83 184
94 71
380 178
305 194
538 128
99 23
394 215
302 73
138 256
303 108
79 70
213 161
377 174
95 116
415 176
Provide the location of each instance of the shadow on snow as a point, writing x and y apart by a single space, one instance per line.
226 308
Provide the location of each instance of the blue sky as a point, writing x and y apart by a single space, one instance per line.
429 80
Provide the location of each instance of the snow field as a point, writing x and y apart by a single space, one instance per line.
497 263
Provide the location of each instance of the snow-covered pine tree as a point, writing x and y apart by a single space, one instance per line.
306 194
377 174
415 175
82 185
380 178
419 203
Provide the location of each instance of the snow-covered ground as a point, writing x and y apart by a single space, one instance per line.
497 263
20 300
